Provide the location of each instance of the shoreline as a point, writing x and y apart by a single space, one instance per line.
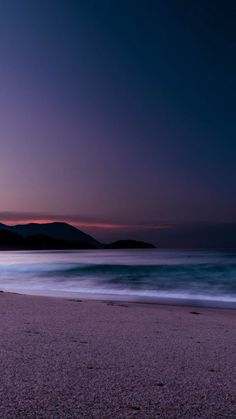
167 301
70 358
203 280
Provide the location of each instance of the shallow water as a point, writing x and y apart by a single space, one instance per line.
202 277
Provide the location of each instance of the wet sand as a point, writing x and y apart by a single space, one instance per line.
65 358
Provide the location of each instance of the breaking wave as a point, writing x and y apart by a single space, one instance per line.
198 276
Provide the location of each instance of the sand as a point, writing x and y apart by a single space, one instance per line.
62 358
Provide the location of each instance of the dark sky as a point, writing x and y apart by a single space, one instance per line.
118 115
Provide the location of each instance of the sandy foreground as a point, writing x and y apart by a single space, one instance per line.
65 358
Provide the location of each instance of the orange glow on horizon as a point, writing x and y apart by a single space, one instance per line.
12 220
87 224
38 221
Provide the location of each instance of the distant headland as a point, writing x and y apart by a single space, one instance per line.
57 236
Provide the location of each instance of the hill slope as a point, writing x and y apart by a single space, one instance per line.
59 231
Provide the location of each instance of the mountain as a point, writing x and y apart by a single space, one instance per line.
59 231
41 242
9 240
129 244
56 235
13 241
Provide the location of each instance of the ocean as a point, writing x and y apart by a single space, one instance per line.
187 277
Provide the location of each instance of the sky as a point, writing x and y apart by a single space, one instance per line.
118 116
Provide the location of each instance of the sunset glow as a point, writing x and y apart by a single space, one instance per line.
122 127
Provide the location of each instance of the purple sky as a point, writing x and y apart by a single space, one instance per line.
117 118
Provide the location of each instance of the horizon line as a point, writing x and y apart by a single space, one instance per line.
78 223
13 219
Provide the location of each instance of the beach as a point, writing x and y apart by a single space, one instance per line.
70 358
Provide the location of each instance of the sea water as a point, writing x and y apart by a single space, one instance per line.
199 277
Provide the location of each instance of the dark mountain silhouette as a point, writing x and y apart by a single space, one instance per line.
13 241
129 244
56 236
59 231
41 242
9 240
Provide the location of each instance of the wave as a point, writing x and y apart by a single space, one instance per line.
186 277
